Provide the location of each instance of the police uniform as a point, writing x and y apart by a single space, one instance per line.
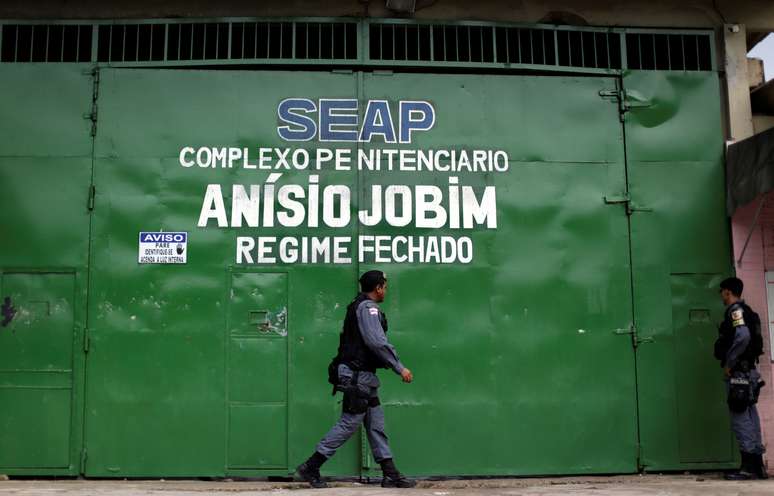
736 354
363 348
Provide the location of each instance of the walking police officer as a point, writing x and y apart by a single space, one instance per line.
363 348
738 347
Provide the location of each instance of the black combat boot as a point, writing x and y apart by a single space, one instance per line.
747 471
393 478
309 471
760 467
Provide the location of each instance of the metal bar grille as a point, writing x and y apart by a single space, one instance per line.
46 43
669 52
347 41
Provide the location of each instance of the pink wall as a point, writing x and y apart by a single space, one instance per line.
758 258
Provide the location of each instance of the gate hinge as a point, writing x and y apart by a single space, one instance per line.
616 199
632 331
612 94
627 200
616 95
626 100
92 196
86 340
638 340
92 115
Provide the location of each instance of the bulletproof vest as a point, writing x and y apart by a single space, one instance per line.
727 331
352 348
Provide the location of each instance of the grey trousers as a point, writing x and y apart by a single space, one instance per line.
347 425
747 425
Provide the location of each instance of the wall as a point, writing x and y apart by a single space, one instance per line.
762 122
758 15
758 257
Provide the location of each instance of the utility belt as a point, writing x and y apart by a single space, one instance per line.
357 397
743 392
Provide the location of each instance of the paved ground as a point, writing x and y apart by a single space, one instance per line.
650 485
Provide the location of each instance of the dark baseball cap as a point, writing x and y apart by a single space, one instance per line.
371 279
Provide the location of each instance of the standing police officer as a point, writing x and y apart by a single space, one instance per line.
363 348
738 347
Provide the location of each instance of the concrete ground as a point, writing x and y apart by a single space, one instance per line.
648 485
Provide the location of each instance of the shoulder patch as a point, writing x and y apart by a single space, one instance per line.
737 317
373 311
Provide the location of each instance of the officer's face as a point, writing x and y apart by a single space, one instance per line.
727 296
381 292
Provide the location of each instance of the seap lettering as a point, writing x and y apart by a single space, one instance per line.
331 119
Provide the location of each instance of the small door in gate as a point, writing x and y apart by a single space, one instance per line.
36 369
257 371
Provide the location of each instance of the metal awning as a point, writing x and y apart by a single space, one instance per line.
749 170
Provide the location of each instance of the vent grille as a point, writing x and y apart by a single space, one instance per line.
131 42
494 45
668 52
592 49
384 43
197 41
46 43
326 41
246 41
526 46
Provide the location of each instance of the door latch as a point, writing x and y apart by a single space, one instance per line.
632 331
614 200
626 200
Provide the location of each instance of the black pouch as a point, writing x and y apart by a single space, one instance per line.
356 396
740 392
333 372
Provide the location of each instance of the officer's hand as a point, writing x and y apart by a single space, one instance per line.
407 375
727 371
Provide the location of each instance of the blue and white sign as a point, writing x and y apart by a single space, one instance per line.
163 248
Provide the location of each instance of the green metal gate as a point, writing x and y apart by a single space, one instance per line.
576 338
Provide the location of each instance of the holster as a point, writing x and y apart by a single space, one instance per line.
357 397
741 392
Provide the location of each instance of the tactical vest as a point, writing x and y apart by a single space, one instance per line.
725 340
352 348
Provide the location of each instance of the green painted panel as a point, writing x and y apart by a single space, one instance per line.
42 110
258 370
45 173
529 339
36 353
40 335
675 167
257 436
551 210
696 310
35 428
495 361
174 318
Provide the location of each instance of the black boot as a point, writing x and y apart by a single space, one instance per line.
760 467
309 471
747 471
393 478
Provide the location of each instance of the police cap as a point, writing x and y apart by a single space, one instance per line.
371 279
